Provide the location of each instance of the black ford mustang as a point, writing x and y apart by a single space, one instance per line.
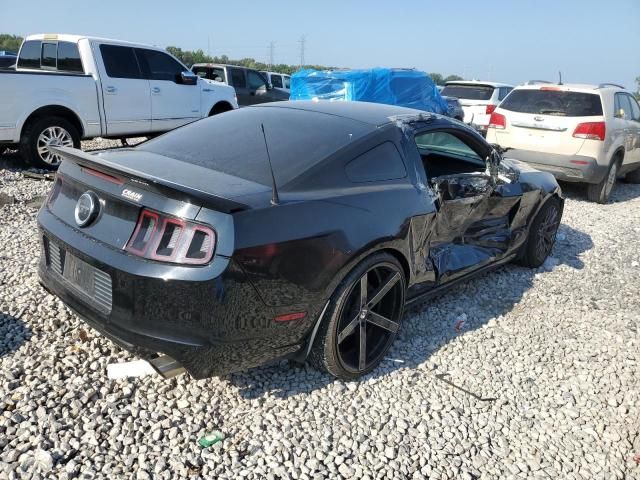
293 229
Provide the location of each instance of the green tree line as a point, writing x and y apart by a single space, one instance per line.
10 43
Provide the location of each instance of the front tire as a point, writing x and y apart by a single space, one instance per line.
44 132
600 192
363 319
542 234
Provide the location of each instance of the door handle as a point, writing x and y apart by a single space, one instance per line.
111 89
155 90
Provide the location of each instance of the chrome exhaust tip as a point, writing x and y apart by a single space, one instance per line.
167 366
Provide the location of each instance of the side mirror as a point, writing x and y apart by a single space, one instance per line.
493 161
188 78
620 113
269 86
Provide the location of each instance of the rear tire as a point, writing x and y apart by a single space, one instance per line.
600 192
633 176
43 132
365 310
542 234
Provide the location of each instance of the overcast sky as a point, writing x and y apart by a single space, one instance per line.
590 41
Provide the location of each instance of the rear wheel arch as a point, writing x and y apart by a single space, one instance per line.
220 107
54 111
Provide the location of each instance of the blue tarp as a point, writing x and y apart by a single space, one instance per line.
402 87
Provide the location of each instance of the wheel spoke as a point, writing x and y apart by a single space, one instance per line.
383 322
362 359
364 285
383 290
349 329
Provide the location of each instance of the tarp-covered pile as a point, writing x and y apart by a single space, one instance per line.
402 87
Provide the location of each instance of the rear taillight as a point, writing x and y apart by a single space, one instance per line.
590 130
497 121
490 109
169 239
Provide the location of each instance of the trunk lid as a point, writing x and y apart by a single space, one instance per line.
127 180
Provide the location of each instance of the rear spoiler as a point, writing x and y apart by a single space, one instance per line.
162 185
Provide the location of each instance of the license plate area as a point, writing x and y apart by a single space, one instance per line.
89 283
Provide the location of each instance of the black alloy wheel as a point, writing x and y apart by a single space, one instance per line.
364 319
542 234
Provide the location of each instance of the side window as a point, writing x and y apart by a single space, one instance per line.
622 106
49 55
276 81
446 143
120 62
218 73
30 54
287 82
200 71
237 78
635 108
69 57
380 163
255 80
160 66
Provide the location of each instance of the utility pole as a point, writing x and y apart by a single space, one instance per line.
272 47
302 40
208 45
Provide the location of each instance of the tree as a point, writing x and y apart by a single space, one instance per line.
10 42
437 78
453 78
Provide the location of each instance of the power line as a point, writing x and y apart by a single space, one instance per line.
272 47
302 40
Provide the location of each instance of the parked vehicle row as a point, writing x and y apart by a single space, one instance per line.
580 133
68 87
7 59
250 85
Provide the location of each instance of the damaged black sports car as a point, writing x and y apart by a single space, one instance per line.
286 230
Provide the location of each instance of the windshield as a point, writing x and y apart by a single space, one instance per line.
468 92
553 102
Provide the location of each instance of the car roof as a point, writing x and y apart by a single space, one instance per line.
571 87
477 82
66 37
374 114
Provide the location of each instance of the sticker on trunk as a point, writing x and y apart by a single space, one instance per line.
131 195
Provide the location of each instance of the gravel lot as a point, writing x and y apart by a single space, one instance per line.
541 381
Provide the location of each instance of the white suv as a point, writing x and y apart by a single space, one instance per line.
478 100
579 133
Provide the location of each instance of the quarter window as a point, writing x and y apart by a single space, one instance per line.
287 82
120 62
380 163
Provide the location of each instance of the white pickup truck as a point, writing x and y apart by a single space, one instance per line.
70 87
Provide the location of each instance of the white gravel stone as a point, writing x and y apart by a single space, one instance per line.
551 390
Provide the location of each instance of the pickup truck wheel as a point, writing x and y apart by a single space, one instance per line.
42 133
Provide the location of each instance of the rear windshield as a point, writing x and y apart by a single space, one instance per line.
468 92
233 143
553 102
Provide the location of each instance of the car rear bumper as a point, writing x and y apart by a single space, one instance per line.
211 326
569 168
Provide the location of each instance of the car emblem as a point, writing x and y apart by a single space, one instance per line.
131 195
87 209
538 119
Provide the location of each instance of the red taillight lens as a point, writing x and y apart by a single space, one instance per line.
497 121
490 109
591 130
169 239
